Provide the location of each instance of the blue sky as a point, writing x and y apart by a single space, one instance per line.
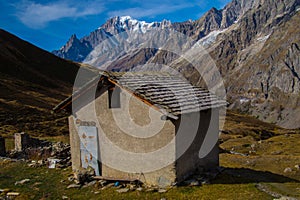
49 24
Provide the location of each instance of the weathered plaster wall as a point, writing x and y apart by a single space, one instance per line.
190 161
134 128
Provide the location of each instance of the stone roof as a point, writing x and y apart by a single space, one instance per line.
171 94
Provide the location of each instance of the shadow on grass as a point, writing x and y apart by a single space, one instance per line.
244 175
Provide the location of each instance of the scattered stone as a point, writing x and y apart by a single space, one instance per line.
84 175
151 190
204 182
73 186
139 189
163 182
97 192
192 182
123 190
108 186
53 162
37 183
12 194
132 187
265 189
286 198
32 165
163 199
297 167
287 170
251 162
41 162
91 183
276 152
162 191
22 182
237 153
6 190
70 178
252 152
120 186
65 197
102 182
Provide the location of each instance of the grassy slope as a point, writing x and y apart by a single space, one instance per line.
33 81
264 165
48 184
270 150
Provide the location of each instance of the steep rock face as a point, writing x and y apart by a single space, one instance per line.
257 59
75 49
209 22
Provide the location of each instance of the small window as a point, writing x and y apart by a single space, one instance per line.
114 97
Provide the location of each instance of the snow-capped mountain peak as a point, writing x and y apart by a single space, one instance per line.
127 23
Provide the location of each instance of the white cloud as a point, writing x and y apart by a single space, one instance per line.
153 11
37 15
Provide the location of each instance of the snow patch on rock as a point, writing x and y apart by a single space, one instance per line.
263 38
210 38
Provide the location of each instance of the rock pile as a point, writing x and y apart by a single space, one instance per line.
86 178
55 155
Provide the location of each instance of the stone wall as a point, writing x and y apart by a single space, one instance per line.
23 141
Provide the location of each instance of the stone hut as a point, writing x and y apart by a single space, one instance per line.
151 126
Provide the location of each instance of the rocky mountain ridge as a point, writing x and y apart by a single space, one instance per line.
254 44
78 49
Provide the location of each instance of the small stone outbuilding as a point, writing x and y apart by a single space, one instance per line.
151 126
